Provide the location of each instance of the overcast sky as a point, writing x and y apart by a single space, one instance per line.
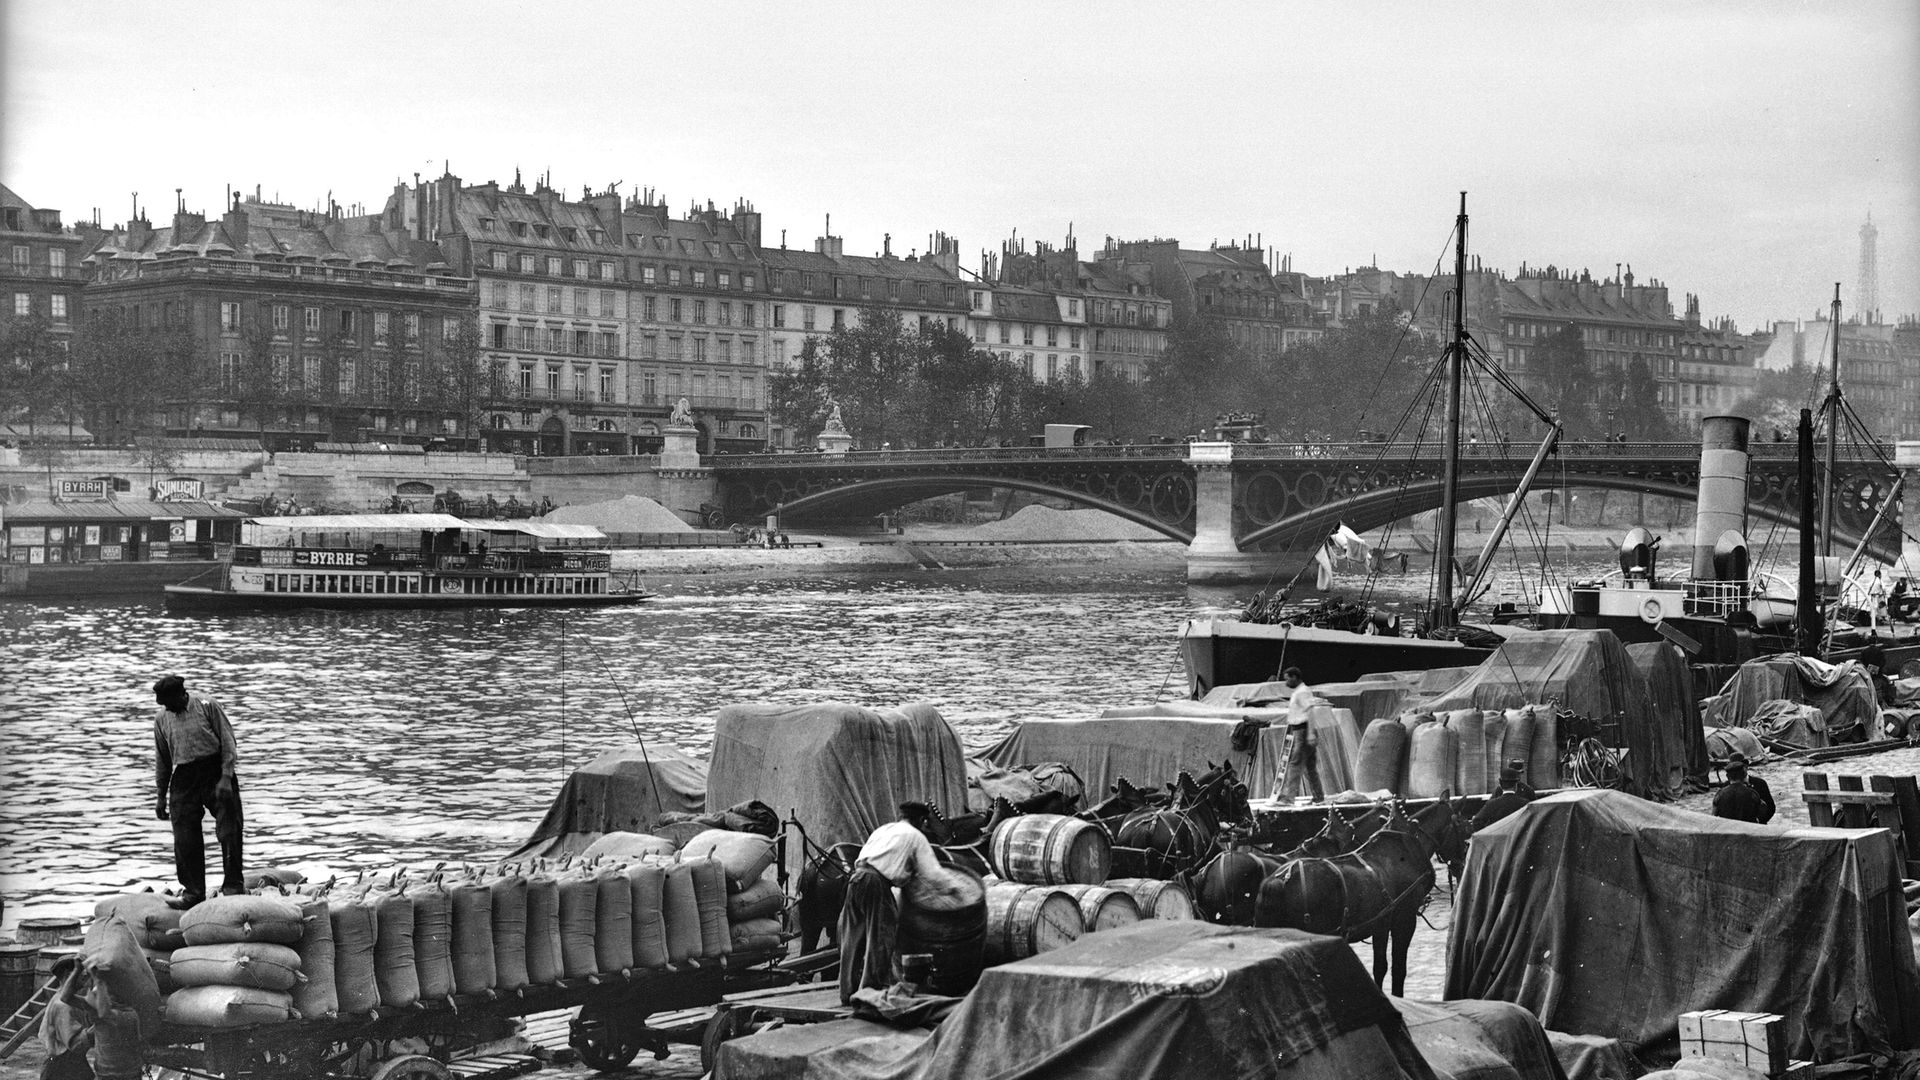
1731 149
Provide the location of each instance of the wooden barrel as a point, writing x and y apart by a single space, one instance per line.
950 930
1157 899
1024 920
17 976
1051 849
1102 908
45 931
49 956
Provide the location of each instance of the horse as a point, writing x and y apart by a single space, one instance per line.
1224 889
1375 891
1125 800
823 891
1163 843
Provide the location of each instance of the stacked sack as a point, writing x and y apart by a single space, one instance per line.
239 966
755 900
1422 754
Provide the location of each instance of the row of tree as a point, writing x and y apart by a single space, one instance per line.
900 386
111 376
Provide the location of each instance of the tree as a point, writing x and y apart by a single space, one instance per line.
34 380
1777 397
1633 398
258 384
1361 375
466 380
154 452
1568 381
1202 373
797 393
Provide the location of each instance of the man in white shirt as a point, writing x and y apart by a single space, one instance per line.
1302 755
893 855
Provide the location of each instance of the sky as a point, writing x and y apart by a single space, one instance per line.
1728 148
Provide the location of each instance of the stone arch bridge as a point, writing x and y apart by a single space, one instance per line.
1234 499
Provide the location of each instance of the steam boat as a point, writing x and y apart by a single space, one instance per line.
409 561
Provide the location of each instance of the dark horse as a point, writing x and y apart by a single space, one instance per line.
823 890
1375 891
1161 843
1225 888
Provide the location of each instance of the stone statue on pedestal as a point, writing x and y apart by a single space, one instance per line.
682 415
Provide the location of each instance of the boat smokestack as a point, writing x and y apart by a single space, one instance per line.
1722 504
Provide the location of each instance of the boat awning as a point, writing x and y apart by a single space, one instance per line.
545 530
59 513
365 522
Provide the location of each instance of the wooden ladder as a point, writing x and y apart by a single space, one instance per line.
26 1019
1887 802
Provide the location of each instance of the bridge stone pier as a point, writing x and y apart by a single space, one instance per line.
1214 556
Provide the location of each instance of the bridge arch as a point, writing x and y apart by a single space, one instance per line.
1381 506
885 493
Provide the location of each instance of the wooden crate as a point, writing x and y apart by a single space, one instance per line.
1755 1041
1856 802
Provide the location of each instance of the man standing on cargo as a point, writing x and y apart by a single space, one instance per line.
1302 754
892 856
194 758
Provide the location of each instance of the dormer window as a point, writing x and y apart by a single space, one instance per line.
541 231
569 234
598 236
519 228
486 223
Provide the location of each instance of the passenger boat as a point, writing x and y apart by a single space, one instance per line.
409 561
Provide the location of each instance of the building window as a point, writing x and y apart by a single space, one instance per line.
347 323
525 334
699 276
726 350
806 317
346 375
839 316
499 260
609 343
893 290
673 275
647 385
381 322
726 313
1003 333
229 317
647 347
606 384
647 312
700 311
526 264
281 318
59 307
699 348
606 271
746 314
579 268
580 303
581 345
527 298
526 380
779 315
606 303
410 324
1026 335
746 281
1073 308
553 380
553 266
553 298
647 275
673 309
1053 337
229 371
555 343
1073 337
725 279
450 329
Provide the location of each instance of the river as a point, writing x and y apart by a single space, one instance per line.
369 739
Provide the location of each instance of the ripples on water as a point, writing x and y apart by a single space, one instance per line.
381 737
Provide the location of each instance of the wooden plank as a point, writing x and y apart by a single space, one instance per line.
1819 813
1846 799
1906 793
1848 818
1890 817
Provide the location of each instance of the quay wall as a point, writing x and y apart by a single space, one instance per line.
362 482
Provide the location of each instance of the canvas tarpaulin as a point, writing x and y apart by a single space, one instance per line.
1589 673
1670 692
1480 1040
1842 692
842 770
1609 915
1156 1000
625 789
1148 750
1370 700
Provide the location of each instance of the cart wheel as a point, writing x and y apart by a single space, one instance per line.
715 519
728 1024
411 1067
603 1042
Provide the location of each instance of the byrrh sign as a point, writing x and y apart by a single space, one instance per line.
82 490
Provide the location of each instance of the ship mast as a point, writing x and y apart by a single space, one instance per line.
1832 409
1443 612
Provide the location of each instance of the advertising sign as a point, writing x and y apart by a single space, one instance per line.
180 488
82 490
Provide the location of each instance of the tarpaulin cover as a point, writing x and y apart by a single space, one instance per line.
1843 692
1480 1040
1790 722
1609 915
1370 700
623 790
1148 751
1670 691
1153 1000
841 769
1589 672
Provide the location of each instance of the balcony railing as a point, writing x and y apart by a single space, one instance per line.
51 273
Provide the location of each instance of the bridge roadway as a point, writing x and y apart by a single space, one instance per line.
1242 502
